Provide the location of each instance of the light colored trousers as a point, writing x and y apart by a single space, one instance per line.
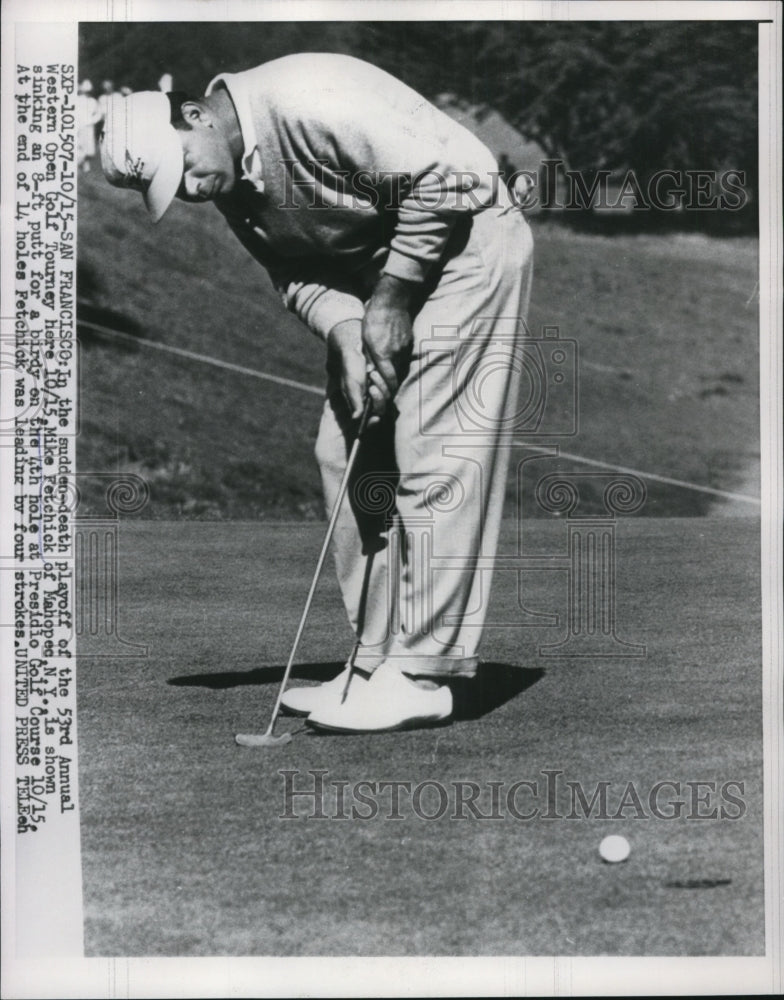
414 546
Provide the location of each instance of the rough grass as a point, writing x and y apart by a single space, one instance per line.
666 328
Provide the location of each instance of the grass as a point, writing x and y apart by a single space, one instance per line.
184 850
666 328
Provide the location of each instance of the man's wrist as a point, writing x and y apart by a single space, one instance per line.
347 331
393 292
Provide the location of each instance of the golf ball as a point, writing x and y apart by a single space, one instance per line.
614 848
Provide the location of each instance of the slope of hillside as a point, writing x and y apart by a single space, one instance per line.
666 332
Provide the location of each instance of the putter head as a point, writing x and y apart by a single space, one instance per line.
261 739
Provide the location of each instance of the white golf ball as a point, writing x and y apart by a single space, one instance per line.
614 848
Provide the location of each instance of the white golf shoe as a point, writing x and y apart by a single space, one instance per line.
303 700
387 702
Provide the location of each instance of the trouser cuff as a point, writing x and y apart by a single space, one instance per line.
426 666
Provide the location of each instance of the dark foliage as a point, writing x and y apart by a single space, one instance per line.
612 95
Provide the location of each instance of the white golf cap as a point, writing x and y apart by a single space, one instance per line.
140 148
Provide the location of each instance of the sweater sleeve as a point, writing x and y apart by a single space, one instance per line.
319 299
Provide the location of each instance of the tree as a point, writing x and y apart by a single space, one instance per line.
639 96
612 95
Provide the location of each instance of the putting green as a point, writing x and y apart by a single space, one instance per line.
184 848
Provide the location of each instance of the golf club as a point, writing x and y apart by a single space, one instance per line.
268 738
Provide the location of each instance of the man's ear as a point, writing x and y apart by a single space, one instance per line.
195 113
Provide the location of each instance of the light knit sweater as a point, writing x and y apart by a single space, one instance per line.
347 173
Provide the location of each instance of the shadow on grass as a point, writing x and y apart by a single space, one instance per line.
495 683
261 675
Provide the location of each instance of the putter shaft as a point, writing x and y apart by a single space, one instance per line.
366 414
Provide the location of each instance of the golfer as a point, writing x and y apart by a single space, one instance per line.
385 227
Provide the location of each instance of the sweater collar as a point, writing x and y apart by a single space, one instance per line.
252 165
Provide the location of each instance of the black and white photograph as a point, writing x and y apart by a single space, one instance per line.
391 442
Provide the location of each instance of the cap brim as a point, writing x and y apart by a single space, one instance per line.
163 187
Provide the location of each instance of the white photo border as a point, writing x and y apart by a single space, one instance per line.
249 977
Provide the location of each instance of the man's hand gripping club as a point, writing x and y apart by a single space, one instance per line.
372 355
